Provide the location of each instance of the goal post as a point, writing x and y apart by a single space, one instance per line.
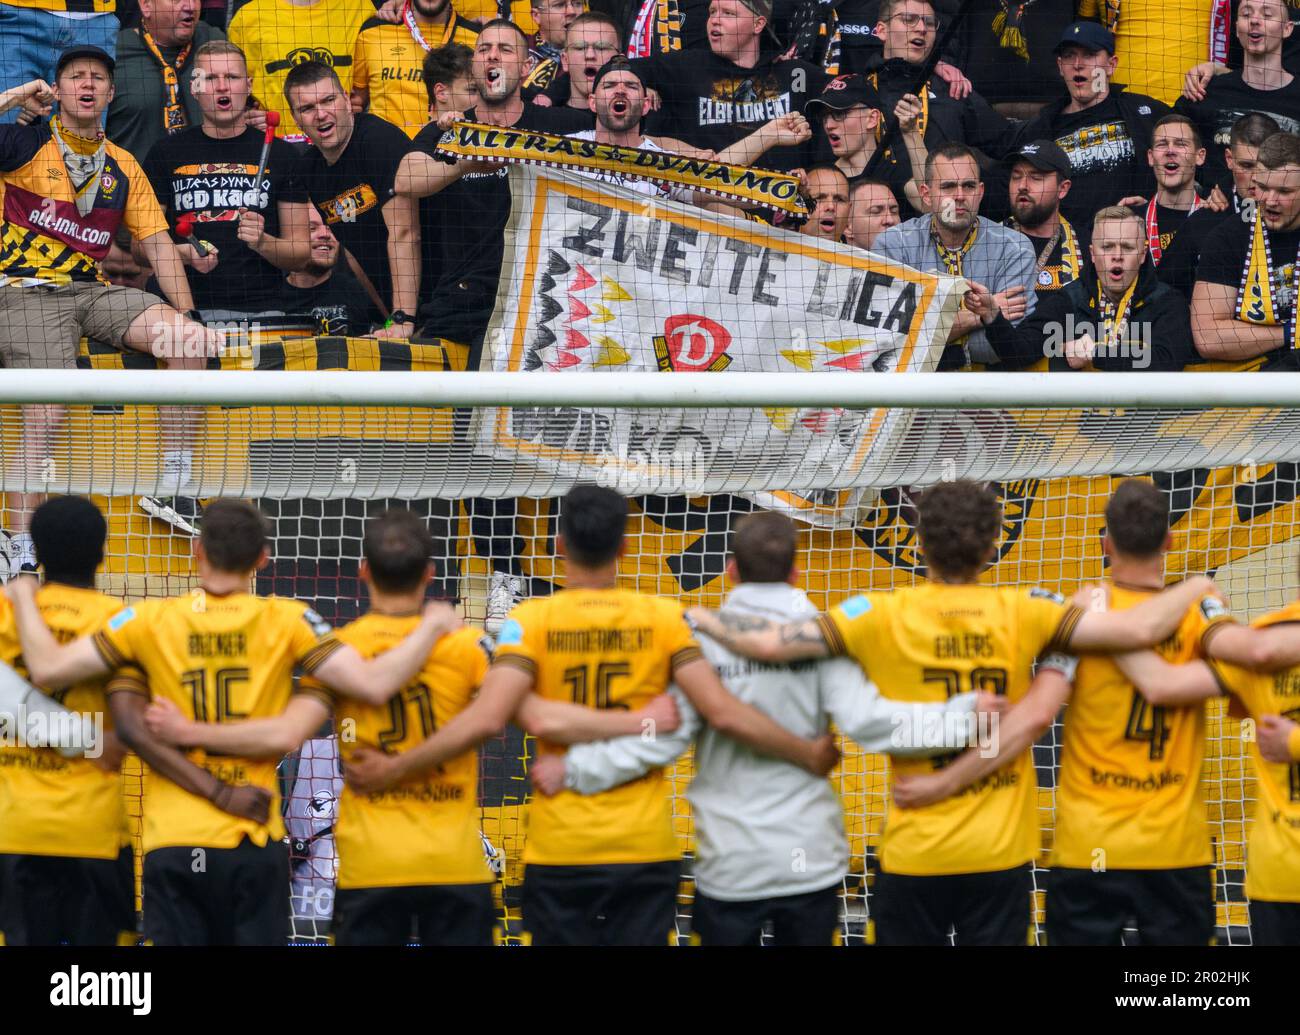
483 457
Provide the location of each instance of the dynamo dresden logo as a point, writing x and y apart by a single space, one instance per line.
692 342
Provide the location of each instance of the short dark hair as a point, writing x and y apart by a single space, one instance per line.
1137 519
951 150
763 545
887 8
507 22
398 548
958 523
868 181
1253 129
1278 150
233 534
69 534
1175 119
596 18
444 65
306 74
592 521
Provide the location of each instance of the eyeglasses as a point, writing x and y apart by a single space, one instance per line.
912 20
563 5
599 48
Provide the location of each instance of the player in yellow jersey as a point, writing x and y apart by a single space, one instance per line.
962 863
600 870
64 875
211 876
1132 841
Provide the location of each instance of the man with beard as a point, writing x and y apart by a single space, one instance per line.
1175 155
1117 316
1040 178
349 173
851 120
873 209
388 60
474 206
1178 266
324 290
252 230
954 239
1262 85
1243 305
712 100
827 195
1103 129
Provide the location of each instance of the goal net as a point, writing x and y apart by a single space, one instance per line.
318 471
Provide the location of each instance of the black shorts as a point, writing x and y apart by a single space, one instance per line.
990 908
217 896
1168 907
623 904
812 918
427 914
52 899
1274 923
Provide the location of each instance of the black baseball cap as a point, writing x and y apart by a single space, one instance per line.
845 92
1045 155
72 53
1089 35
618 63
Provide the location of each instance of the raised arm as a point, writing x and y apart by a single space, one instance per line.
760 638
128 708
375 680
730 716
249 738
1162 683
419 175
1150 622
1031 717
782 131
49 663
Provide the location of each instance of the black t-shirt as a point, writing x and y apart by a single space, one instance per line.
1107 165
1169 223
1054 271
1227 99
463 228
1227 246
895 176
350 194
1178 264
192 172
709 102
338 306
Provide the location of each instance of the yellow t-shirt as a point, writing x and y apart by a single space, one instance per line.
51 805
521 12
1156 43
929 643
275 35
608 648
1273 849
218 659
424 831
1130 782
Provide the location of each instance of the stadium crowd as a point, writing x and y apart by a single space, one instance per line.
1120 184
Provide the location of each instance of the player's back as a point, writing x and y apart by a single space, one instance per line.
606 648
1273 852
425 830
51 805
929 643
1130 779
218 659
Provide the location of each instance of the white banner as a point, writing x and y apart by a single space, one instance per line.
597 277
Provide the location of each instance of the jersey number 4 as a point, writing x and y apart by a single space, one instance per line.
1148 723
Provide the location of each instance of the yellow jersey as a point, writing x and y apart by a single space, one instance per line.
1273 848
275 35
521 12
218 659
389 62
51 805
1155 48
929 643
604 648
423 831
1129 795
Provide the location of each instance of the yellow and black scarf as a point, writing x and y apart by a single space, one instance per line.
1112 316
1007 27
174 116
84 159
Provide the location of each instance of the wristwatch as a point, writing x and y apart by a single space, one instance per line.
401 316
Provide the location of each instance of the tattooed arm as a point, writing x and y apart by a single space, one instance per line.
762 639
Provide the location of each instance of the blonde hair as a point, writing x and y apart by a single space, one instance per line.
214 47
1113 213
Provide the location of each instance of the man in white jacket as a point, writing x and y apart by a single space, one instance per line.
770 843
